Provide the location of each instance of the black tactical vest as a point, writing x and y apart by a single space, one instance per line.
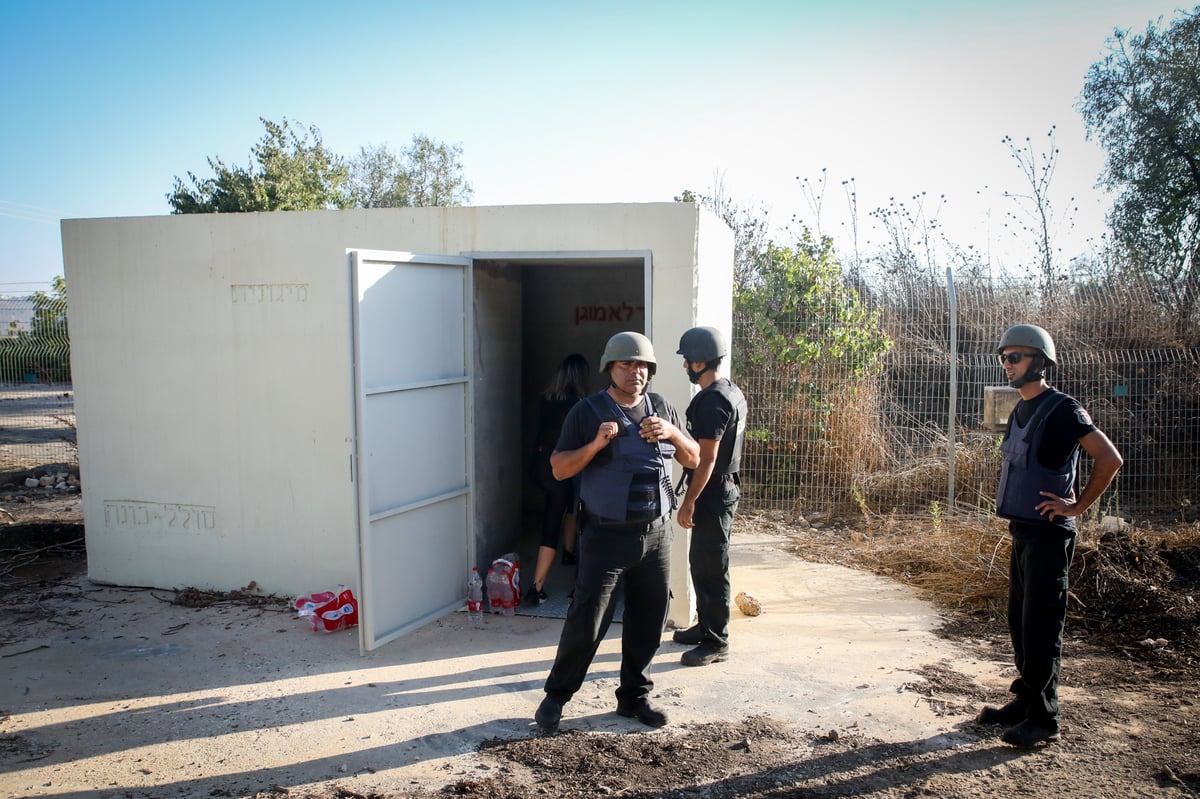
729 451
1022 476
629 485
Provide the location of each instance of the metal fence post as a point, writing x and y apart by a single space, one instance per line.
953 386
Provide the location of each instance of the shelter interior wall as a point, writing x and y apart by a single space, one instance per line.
498 365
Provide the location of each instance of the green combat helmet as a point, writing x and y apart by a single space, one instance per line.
628 347
702 344
1029 336
1036 338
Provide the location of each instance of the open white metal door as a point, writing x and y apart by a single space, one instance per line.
413 437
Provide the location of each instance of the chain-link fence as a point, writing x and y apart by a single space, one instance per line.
37 411
830 437
861 420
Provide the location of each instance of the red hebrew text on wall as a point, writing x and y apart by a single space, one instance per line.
607 313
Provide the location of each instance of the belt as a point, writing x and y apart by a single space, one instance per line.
600 523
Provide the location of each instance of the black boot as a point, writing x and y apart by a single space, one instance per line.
1008 715
641 710
549 714
1029 734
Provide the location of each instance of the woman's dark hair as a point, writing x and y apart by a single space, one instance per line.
570 381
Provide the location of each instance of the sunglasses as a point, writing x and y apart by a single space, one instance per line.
1015 357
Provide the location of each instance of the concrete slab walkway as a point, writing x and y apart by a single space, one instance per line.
129 692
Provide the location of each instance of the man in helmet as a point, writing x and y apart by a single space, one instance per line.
619 442
716 418
1037 495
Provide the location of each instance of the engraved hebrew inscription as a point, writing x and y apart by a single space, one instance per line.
268 293
158 517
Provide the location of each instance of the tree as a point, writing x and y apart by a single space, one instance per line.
426 173
289 171
804 340
800 313
1040 214
435 173
378 179
1142 102
50 312
44 351
794 301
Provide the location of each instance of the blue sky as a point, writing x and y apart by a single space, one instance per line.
104 103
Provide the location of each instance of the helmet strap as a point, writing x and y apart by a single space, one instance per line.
618 389
1034 374
695 376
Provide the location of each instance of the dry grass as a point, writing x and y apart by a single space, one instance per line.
961 561
827 428
925 479
1126 586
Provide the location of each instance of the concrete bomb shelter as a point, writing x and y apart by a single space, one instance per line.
307 399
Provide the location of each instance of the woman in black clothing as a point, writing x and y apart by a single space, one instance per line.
567 388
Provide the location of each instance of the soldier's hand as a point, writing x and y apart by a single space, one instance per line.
1055 505
686 513
607 432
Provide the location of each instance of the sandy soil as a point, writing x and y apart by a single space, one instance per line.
848 684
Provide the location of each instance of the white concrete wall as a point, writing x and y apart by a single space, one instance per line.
714 291
707 301
211 362
498 405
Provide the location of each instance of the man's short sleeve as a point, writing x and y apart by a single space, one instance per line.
578 428
1068 423
711 416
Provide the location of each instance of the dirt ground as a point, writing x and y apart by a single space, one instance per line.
1131 684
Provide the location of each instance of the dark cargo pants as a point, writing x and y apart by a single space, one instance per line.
638 558
1037 614
708 559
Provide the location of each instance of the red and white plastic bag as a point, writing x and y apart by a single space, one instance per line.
504 584
328 611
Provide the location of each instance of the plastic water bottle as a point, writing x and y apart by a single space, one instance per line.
475 597
501 593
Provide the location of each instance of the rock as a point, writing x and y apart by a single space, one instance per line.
1115 524
748 604
32 482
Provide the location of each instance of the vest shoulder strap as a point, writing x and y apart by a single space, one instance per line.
606 409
